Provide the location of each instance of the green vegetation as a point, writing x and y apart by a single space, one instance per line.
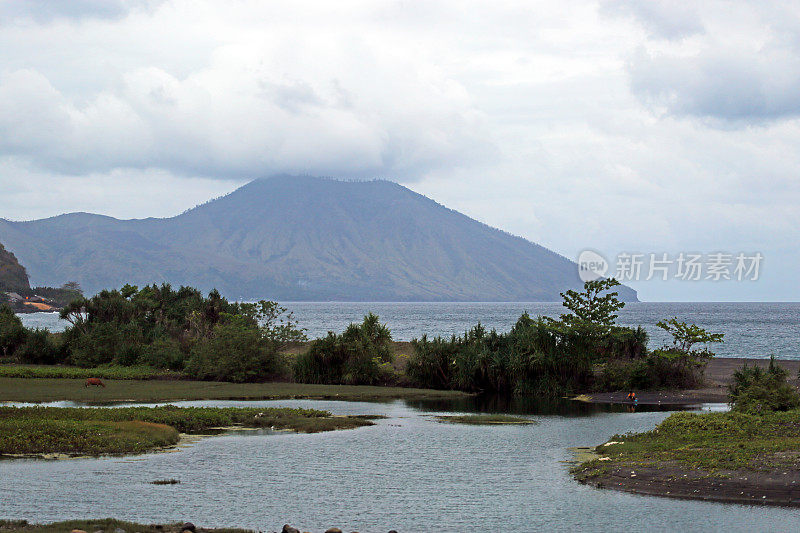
47 390
754 390
485 420
207 337
710 442
671 367
74 372
538 356
93 431
106 524
80 437
158 332
362 355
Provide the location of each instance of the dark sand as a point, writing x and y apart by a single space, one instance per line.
771 487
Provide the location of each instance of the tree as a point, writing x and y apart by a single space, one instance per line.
12 332
589 307
73 286
234 353
684 335
277 325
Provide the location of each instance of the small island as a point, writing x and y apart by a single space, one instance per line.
51 432
748 455
485 420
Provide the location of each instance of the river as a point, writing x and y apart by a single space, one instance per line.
408 472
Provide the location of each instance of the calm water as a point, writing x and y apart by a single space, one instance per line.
751 329
408 472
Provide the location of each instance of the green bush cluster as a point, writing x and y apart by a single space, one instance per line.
179 330
18 343
537 356
755 390
666 368
361 355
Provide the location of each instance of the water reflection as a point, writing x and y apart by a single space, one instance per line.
532 405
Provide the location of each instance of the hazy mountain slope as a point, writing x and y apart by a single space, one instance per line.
300 238
12 274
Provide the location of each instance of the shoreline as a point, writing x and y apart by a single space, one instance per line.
771 488
728 457
718 375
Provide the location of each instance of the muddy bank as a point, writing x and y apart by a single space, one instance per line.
773 487
718 375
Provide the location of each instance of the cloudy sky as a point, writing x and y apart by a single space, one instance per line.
623 126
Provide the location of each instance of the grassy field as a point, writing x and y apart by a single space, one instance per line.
107 524
485 420
95 431
709 442
46 390
73 372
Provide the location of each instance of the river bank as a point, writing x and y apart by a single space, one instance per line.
725 457
718 375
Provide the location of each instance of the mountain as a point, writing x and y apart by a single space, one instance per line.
300 238
13 277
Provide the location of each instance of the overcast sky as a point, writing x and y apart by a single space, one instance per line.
620 126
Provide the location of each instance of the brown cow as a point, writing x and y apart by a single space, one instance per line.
94 381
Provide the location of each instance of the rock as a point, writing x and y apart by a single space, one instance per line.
392 531
77 531
289 529
120 530
333 530
188 526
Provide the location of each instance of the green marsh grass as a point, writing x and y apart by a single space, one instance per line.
95 431
485 420
710 442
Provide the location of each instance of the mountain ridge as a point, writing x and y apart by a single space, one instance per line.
300 238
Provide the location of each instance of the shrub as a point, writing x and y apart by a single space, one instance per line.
359 356
163 352
107 342
12 332
538 356
754 390
661 369
234 353
39 348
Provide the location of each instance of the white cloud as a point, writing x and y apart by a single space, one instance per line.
654 126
